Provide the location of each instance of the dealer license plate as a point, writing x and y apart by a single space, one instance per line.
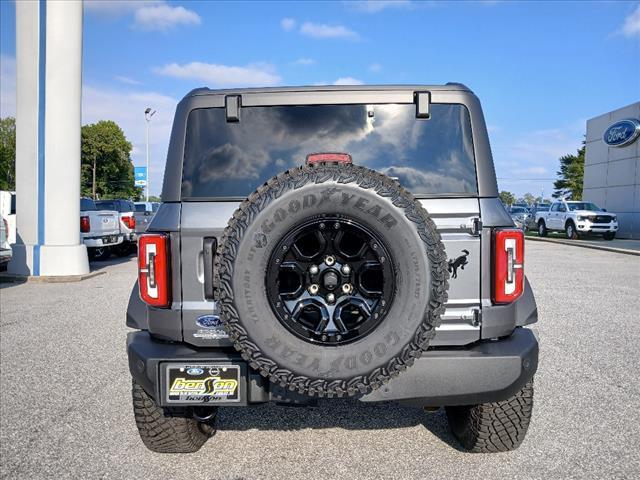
202 383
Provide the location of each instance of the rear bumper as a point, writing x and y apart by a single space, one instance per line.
486 372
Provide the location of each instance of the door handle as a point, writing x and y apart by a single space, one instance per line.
209 247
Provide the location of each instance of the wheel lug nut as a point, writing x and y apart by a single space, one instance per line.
347 288
329 260
313 288
346 269
331 298
313 269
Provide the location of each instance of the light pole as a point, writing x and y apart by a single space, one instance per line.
148 113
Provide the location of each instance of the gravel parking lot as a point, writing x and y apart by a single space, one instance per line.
65 393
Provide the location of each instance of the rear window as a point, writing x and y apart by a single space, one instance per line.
117 205
107 205
433 156
141 208
87 205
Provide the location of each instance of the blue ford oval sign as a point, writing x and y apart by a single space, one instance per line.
622 133
209 321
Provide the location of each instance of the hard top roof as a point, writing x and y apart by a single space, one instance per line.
451 86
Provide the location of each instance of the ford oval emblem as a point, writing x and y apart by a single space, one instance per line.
622 133
195 371
209 321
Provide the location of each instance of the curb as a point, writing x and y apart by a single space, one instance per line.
12 278
576 243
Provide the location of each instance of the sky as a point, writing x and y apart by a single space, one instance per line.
540 69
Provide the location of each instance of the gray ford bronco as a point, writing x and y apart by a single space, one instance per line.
331 242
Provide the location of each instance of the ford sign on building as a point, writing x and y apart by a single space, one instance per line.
612 166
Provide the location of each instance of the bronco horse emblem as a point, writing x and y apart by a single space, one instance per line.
459 262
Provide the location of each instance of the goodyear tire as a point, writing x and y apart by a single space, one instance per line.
347 194
169 430
493 427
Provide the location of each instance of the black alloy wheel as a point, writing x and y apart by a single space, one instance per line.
331 281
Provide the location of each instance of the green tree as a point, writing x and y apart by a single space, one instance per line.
570 176
528 198
7 153
507 197
107 171
153 198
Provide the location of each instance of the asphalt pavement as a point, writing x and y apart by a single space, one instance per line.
65 408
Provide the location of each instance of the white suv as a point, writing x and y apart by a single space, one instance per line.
576 218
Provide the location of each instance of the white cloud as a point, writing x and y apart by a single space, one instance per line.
7 86
260 74
148 15
348 81
127 80
164 17
375 6
288 24
375 67
631 26
319 30
304 62
117 7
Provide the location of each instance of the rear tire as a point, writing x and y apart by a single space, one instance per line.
493 427
169 430
99 253
570 231
609 235
542 229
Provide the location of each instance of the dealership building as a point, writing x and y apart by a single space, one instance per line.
612 166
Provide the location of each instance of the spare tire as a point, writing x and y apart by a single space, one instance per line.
331 279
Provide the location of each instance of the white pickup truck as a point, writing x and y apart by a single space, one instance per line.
576 218
99 229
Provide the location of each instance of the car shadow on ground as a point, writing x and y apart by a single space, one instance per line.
348 414
96 265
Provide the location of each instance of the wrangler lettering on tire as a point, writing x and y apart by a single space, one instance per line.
331 279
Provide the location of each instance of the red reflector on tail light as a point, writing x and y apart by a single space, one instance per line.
85 224
153 270
508 265
328 158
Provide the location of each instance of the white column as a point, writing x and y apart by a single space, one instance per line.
49 79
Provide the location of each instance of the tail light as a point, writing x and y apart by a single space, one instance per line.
129 221
508 265
153 270
85 224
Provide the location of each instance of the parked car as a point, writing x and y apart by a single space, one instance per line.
145 212
519 205
530 221
126 211
323 272
8 212
99 230
519 216
5 248
577 218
